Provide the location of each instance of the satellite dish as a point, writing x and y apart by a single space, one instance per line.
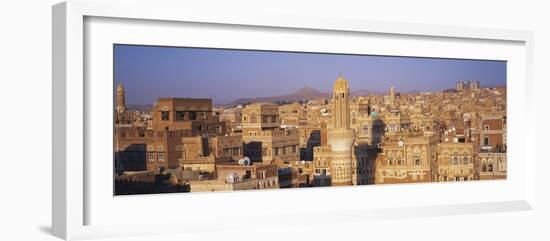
244 162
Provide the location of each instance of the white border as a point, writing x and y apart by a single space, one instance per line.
69 132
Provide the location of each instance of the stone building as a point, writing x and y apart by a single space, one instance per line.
492 165
233 118
264 139
139 149
234 176
455 162
184 135
407 159
310 137
194 115
492 132
467 85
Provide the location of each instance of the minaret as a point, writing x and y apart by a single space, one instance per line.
392 95
340 136
340 104
120 99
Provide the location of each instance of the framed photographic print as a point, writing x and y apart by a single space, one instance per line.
219 117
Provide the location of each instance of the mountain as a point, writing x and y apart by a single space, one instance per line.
364 92
303 94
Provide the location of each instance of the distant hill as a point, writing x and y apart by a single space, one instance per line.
303 94
364 92
144 107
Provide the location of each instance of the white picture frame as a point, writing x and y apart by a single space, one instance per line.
72 192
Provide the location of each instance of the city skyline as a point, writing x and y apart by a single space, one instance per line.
183 72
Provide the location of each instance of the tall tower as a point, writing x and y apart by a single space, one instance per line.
340 104
392 95
340 136
120 99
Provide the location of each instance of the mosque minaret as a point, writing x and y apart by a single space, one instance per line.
120 99
340 136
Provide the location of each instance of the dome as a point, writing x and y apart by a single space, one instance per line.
341 85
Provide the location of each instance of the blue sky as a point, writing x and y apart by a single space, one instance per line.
150 72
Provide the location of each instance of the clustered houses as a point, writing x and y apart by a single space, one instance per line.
453 135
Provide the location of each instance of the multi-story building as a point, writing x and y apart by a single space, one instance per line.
492 132
263 137
194 115
492 165
467 85
407 160
455 162
139 149
310 137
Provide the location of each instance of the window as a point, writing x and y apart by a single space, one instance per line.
165 115
294 149
456 161
150 156
486 127
466 161
486 141
484 168
180 115
490 168
417 161
160 156
192 115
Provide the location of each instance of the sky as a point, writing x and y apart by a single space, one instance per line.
150 72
